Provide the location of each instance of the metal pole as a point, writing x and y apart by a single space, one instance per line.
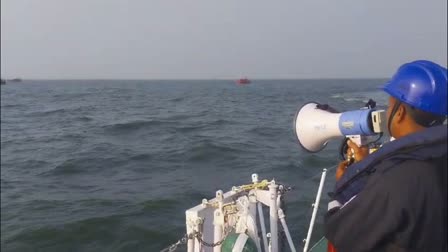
263 227
190 242
281 215
217 234
273 213
190 246
253 216
197 245
315 207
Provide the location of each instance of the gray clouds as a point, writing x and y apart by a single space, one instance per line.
136 39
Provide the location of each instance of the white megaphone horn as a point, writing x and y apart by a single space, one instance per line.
315 124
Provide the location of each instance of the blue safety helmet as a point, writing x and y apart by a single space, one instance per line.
421 84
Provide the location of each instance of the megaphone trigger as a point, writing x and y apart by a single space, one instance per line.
357 151
351 156
345 152
350 161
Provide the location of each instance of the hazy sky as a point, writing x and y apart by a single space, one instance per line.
147 39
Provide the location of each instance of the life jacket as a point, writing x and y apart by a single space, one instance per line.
428 144
330 247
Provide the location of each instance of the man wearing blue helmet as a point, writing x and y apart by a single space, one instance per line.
395 199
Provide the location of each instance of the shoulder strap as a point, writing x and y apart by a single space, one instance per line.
370 168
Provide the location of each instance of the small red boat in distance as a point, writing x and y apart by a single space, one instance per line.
243 81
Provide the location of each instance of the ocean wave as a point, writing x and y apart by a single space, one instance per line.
363 97
54 139
185 116
48 112
71 166
26 166
12 106
96 202
221 122
267 131
66 96
356 99
85 118
136 125
168 123
157 205
350 97
83 231
82 165
141 157
171 117
208 150
288 165
59 111
319 161
337 96
177 99
202 125
190 128
98 234
9 184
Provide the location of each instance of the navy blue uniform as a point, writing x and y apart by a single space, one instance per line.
395 199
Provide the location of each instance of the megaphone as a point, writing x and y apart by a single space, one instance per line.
316 124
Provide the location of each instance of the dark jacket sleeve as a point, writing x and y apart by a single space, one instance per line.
364 221
403 206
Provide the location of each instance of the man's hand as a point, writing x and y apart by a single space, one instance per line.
341 169
359 152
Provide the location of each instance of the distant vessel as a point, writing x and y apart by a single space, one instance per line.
3 82
243 81
15 80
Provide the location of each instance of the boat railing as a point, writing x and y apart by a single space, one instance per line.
209 223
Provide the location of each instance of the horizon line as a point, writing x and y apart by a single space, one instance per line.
195 79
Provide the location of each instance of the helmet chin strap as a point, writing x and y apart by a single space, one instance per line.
392 114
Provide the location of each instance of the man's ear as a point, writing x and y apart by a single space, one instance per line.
400 114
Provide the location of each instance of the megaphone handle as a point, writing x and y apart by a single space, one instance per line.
351 157
350 160
359 141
